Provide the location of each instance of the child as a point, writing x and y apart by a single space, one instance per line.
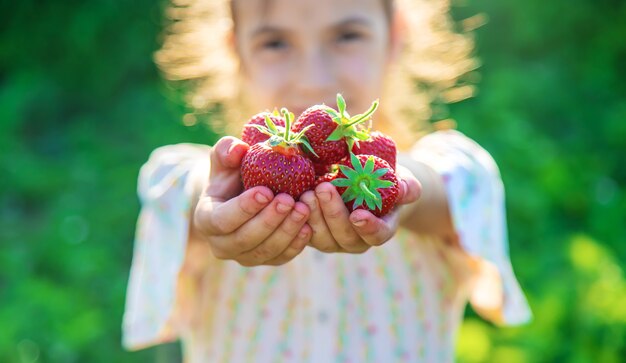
252 277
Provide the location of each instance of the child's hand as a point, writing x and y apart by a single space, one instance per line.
338 230
254 227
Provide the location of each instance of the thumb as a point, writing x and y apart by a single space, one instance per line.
410 187
227 155
224 179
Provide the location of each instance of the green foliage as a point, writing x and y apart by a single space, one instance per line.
82 106
551 108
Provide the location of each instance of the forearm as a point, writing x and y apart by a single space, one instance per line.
430 214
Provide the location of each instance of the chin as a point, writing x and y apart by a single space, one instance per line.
297 111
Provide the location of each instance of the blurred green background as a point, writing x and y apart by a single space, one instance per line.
82 106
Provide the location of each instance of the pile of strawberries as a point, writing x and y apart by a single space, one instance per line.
322 145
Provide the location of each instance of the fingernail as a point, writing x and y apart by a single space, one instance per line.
311 203
283 208
261 198
324 196
230 148
297 216
303 233
299 243
405 187
359 223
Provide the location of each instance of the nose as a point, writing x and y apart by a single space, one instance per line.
315 79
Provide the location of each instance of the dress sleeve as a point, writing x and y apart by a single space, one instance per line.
168 184
476 198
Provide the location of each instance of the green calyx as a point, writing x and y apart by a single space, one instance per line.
348 125
362 183
282 137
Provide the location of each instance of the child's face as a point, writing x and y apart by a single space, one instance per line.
299 53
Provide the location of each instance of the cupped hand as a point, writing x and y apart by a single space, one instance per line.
336 229
253 227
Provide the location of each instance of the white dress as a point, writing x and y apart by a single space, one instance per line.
400 302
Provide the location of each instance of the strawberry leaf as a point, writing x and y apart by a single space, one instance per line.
341 182
350 142
282 137
380 172
341 104
369 165
362 135
356 164
304 141
333 114
351 173
336 135
301 133
262 129
358 202
362 182
270 125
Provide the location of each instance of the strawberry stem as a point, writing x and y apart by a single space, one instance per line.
282 139
346 128
287 116
359 118
365 189
362 182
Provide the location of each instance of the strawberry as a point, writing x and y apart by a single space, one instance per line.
367 182
334 132
278 163
321 168
329 151
329 176
377 144
251 135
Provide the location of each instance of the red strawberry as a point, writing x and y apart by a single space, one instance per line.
251 135
279 163
321 168
367 182
378 144
334 131
327 177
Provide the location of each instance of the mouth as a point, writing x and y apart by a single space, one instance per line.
298 110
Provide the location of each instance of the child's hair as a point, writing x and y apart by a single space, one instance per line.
433 60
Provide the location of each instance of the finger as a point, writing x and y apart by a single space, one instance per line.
213 217
224 178
321 238
410 187
295 247
279 239
336 216
217 251
252 233
374 231
228 153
